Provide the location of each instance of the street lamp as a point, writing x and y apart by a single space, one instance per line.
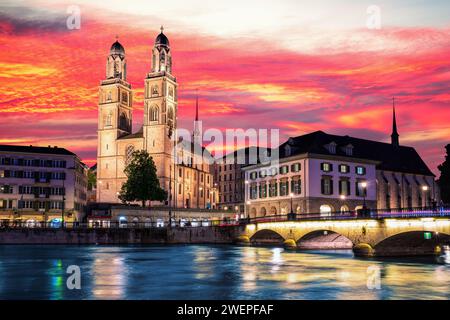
425 190
364 186
291 215
292 197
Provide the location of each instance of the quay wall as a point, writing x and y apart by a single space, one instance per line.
198 235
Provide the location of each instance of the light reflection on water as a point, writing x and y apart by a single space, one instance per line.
213 272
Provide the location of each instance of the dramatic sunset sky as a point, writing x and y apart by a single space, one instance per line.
295 65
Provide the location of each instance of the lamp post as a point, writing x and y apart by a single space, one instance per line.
343 198
292 215
425 193
364 186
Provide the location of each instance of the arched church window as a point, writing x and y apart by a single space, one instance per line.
116 69
123 122
154 113
162 57
129 154
125 97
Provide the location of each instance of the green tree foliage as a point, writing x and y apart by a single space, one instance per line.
444 180
142 184
92 179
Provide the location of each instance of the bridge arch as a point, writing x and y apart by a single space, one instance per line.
419 242
266 237
324 240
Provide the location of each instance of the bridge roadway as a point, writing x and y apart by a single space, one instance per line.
390 234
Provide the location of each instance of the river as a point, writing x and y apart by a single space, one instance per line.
214 272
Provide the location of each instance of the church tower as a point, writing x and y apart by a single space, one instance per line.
160 110
394 136
114 120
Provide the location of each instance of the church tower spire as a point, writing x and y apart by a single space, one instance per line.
196 134
394 135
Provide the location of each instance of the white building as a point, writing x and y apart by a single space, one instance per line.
325 173
38 183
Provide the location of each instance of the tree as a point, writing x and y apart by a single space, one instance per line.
142 183
444 180
92 179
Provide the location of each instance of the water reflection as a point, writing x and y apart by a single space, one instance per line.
108 277
214 272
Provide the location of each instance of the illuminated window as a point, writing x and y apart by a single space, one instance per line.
326 167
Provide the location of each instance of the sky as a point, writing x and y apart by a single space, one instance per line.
291 65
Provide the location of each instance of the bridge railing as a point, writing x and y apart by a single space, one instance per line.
424 212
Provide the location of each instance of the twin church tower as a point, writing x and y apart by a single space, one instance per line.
117 142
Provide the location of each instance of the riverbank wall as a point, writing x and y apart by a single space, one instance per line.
198 235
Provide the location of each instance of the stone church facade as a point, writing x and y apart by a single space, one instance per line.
189 182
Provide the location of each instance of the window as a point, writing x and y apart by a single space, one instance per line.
263 190
154 113
253 175
348 150
262 173
327 186
331 147
284 188
344 187
284 169
295 167
273 189
343 168
361 191
360 170
129 154
325 210
326 167
287 150
253 191
296 186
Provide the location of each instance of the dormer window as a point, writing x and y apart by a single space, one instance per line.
348 149
287 150
331 147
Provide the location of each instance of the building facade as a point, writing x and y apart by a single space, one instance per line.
181 172
324 173
39 184
229 177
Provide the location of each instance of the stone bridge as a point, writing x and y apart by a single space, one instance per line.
367 237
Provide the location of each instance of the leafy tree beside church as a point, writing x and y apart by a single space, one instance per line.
142 184
444 180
